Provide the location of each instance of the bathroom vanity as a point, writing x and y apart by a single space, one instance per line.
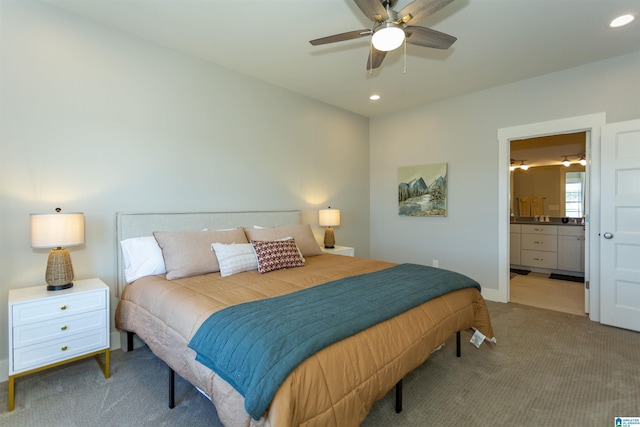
548 247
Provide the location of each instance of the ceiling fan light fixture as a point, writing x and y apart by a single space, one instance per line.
388 38
524 166
621 21
583 160
566 162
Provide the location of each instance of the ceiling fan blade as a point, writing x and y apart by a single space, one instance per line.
341 37
373 9
427 37
419 9
375 58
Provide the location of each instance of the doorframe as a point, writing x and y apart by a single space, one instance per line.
592 124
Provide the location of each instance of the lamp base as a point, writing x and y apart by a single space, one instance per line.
59 273
59 287
329 238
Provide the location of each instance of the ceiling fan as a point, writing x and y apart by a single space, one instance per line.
390 28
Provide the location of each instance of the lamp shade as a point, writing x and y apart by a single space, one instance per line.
55 230
329 217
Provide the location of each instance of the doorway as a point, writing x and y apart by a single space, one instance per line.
548 183
591 124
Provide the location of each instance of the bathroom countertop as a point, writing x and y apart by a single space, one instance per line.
530 222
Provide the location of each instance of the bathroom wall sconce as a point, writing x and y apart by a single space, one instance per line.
514 165
580 156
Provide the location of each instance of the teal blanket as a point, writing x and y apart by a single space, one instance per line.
256 345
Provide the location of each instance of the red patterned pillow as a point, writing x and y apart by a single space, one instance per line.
277 255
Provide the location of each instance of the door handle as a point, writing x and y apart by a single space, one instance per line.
608 235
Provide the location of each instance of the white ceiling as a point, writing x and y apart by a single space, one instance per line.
499 42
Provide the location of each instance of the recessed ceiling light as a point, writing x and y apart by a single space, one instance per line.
622 20
374 97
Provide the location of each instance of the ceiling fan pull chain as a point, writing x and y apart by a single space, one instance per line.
370 58
405 55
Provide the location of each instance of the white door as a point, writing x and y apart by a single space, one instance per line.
620 225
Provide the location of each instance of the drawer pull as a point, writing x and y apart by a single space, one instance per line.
538 259
64 348
539 243
64 328
64 307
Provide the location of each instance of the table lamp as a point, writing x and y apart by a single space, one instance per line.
329 218
56 230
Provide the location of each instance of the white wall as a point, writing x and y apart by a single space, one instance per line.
463 132
96 121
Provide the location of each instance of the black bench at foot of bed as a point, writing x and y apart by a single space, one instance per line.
172 375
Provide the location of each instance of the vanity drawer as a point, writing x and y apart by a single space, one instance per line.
540 259
540 229
543 242
571 230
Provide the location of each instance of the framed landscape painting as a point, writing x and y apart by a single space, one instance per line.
422 190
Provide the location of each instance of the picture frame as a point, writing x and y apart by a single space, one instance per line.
423 190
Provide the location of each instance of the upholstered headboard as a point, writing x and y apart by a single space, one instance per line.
141 224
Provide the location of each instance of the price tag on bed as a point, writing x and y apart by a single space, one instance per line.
477 339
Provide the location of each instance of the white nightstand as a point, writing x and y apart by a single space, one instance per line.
341 250
50 328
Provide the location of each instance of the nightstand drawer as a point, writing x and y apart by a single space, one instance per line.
67 326
51 308
59 349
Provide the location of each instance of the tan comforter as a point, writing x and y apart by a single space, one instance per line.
335 387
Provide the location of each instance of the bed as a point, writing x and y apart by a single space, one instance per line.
166 305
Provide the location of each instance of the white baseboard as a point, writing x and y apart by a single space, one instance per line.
492 295
4 370
115 340
4 364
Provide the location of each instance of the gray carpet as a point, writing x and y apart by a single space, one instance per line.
548 368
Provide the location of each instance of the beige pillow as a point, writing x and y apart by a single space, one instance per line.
188 253
301 233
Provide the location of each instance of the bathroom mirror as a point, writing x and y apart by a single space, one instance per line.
556 191
548 187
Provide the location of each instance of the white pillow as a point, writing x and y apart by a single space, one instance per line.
142 257
235 257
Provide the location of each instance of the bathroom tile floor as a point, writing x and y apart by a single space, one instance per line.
536 289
